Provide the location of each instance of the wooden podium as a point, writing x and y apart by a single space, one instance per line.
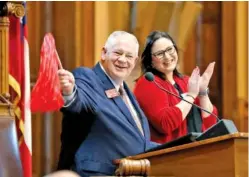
224 156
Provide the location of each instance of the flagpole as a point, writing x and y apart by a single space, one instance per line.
48 117
6 9
6 107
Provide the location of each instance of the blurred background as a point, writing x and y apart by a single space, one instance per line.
204 32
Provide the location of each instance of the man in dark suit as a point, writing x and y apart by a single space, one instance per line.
115 126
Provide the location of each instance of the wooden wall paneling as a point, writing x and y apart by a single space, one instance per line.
152 16
57 118
37 142
84 33
87 26
101 27
189 54
108 17
78 34
145 16
174 30
146 12
34 23
211 48
229 88
163 16
189 15
174 22
34 31
242 63
119 16
64 31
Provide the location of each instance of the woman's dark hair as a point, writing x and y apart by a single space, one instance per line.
146 59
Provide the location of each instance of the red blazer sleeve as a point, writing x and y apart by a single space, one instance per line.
210 120
155 104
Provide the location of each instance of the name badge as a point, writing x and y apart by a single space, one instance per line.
112 93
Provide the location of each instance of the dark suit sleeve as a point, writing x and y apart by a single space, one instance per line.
69 142
77 117
75 128
83 97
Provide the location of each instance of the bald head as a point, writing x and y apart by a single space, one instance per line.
62 173
117 35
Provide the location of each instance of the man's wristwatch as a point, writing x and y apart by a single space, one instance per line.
204 93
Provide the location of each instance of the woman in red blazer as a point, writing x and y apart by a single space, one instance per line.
169 116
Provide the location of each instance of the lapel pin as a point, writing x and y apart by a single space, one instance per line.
111 93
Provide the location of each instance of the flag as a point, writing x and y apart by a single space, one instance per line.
19 82
46 94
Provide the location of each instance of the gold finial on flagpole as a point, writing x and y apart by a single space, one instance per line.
7 9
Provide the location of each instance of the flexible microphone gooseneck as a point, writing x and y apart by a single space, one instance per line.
150 77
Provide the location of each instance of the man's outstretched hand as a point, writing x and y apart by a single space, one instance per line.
67 81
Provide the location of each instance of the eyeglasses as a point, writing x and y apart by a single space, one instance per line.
162 53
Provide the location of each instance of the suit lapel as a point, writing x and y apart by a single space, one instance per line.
122 106
107 84
138 110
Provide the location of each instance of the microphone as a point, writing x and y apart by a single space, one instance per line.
150 77
222 127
